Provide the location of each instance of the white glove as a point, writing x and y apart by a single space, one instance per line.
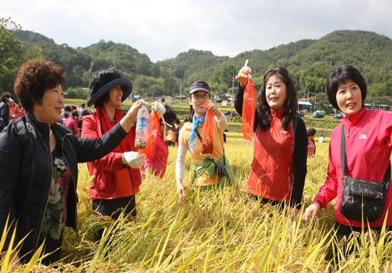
133 159
159 108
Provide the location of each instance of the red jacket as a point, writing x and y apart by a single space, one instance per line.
104 171
368 151
271 175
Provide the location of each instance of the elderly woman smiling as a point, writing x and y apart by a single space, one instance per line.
38 161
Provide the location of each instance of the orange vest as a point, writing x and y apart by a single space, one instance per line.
14 111
172 136
271 175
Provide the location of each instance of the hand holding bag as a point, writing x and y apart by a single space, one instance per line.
362 200
220 169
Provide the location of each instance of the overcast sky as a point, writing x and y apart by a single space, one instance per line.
163 29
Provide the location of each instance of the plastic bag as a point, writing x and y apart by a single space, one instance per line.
248 110
153 130
208 134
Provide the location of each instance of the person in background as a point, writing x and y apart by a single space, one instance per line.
4 109
39 163
321 138
205 174
115 178
72 123
177 127
66 112
311 144
171 135
280 145
368 140
15 111
85 112
225 135
81 108
173 132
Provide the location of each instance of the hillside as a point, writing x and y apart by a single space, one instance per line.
122 57
309 62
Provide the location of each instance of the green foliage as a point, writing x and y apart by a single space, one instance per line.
148 86
11 55
77 93
192 65
309 62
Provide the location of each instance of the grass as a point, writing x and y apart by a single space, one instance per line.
211 231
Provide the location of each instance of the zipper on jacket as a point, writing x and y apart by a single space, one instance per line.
46 192
74 185
32 174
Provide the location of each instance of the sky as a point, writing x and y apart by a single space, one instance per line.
163 29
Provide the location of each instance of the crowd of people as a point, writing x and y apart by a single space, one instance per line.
42 143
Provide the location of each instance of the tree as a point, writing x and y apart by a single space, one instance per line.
148 86
11 55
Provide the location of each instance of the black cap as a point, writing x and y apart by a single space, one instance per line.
199 85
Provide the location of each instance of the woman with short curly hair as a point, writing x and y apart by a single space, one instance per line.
38 162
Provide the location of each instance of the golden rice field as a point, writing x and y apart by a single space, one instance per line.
212 231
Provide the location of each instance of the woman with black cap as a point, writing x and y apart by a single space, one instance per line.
115 178
38 162
205 171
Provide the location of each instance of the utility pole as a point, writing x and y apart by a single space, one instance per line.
91 69
232 89
180 89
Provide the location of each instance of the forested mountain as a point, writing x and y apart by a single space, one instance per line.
309 62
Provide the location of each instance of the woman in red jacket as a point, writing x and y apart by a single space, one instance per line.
116 176
368 141
280 143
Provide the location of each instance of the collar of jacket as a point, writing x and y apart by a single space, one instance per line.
43 127
276 113
355 118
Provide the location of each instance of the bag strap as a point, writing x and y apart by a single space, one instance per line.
343 152
198 135
201 140
387 175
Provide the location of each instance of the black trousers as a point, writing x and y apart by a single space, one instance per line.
51 247
264 201
343 231
114 207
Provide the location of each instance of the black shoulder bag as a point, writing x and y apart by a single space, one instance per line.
220 169
362 200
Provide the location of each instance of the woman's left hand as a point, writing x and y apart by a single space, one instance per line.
215 111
